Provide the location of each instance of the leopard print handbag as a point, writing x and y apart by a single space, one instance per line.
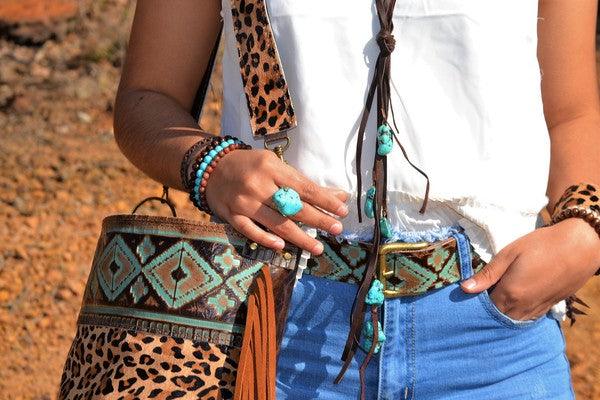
180 309
165 309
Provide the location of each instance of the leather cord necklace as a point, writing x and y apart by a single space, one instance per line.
380 86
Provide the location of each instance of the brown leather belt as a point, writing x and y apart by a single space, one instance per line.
405 269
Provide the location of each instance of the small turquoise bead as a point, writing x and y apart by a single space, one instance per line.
369 207
231 141
385 228
197 181
203 165
384 128
383 149
212 153
375 295
367 334
207 159
385 142
219 148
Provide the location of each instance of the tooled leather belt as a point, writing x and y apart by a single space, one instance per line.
405 269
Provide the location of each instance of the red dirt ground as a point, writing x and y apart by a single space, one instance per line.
61 173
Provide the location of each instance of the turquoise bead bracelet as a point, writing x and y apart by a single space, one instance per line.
204 166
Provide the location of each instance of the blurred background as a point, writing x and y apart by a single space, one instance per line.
61 173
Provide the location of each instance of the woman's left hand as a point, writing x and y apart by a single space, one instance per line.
540 269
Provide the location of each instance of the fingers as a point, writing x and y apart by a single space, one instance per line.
340 194
285 227
490 274
327 199
246 227
311 216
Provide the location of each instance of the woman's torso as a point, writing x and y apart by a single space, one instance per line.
466 97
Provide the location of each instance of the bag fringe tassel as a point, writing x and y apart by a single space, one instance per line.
257 365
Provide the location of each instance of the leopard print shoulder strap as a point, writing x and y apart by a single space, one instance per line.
268 98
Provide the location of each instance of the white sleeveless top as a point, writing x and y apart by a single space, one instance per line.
466 96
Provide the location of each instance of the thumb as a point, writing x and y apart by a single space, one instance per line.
489 274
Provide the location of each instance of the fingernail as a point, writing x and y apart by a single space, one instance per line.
279 243
336 228
342 211
469 284
318 249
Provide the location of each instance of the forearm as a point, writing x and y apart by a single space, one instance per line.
154 131
575 154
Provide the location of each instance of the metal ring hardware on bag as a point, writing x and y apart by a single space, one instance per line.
164 199
278 149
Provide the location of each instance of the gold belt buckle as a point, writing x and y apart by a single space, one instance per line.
384 272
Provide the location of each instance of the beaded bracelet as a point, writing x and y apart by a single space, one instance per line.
579 201
205 164
187 158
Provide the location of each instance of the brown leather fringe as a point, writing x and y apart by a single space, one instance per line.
257 365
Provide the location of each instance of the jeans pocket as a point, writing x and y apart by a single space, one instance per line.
502 318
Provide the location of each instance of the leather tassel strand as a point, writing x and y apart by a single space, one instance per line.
258 357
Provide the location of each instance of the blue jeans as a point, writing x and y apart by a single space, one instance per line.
445 344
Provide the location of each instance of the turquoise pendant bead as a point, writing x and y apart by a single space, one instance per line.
287 201
367 336
385 228
375 295
385 142
369 207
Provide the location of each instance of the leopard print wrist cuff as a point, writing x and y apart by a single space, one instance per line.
580 201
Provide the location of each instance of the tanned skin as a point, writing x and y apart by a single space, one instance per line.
170 45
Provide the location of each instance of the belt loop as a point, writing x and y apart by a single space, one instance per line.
464 253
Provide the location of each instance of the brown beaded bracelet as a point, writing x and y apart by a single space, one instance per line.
579 201
187 158
204 166
193 163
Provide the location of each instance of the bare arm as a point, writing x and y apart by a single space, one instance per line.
549 264
169 49
168 52
567 55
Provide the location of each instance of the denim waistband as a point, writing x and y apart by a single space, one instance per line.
429 235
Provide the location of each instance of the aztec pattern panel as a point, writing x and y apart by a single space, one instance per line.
138 281
267 95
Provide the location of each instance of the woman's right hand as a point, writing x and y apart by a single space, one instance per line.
239 191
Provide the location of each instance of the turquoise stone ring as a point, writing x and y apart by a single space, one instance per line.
287 201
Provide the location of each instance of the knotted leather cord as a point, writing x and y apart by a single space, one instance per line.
380 85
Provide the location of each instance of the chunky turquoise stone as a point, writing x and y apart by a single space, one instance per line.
385 142
375 295
385 228
367 336
384 128
287 202
370 203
